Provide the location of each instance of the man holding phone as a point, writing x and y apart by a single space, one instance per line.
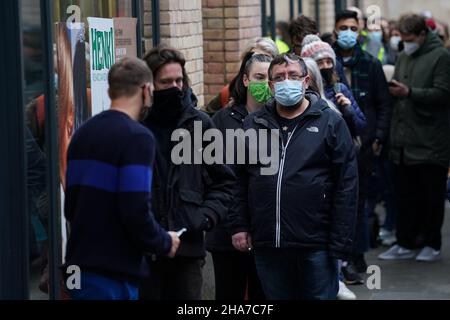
420 138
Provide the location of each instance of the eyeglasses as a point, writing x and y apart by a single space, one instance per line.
293 76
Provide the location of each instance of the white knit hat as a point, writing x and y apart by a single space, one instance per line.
314 47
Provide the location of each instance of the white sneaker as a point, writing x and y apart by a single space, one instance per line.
345 293
384 233
389 241
386 237
429 255
397 253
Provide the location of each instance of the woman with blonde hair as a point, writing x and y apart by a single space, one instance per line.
265 46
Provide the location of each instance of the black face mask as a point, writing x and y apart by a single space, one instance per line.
327 75
167 105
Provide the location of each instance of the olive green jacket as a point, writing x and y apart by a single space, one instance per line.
420 130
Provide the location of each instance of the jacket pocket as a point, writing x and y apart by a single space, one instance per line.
188 211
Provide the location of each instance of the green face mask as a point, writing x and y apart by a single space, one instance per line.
260 91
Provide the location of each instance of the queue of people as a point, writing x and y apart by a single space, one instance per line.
141 225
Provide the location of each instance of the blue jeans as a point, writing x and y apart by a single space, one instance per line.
297 274
98 287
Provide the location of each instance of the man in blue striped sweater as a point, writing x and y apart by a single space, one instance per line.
108 193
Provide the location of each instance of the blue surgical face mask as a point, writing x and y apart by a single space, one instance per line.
376 36
289 93
347 39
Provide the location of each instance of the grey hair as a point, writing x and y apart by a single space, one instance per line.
317 81
264 44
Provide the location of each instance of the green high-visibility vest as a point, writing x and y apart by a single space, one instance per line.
381 52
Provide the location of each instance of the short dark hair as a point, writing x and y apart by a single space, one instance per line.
237 89
127 76
412 24
287 58
346 14
301 27
161 55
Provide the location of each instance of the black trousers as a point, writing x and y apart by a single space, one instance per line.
173 279
421 205
365 167
234 273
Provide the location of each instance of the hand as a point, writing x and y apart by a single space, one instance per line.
175 244
377 147
242 241
343 100
399 90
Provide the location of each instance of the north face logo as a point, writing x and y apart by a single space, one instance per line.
313 129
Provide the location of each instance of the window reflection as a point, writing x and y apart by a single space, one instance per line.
71 72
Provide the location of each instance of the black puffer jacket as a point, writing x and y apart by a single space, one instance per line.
312 201
192 191
230 118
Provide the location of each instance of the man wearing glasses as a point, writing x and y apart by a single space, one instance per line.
300 220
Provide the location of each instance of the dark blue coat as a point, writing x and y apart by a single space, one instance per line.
354 117
312 201
370 89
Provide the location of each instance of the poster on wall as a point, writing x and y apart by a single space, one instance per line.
72 95
82 94
125 37
102 54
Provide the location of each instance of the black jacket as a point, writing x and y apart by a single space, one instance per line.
192 191
230 118
312 201
371 91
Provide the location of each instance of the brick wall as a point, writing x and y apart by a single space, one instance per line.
228 25
181 28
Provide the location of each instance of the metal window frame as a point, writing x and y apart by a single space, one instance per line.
51 133
317 13
138 14
14 219
156 28
273 20
263 18
340 5
291 9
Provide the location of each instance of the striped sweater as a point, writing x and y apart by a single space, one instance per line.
108 198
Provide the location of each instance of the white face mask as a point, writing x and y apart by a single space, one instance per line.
394 42
411 47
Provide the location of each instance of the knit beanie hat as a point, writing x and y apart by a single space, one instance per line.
313 47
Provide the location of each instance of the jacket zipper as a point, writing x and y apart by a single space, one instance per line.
280 179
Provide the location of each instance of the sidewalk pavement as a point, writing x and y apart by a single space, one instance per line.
411 280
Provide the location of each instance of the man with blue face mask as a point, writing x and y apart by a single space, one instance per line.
300 220
370 89
374 43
